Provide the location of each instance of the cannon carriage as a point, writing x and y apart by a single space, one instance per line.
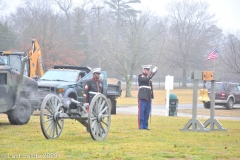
96 116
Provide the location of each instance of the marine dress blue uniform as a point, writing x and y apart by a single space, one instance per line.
145 96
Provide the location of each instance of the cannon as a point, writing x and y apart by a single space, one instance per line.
96 116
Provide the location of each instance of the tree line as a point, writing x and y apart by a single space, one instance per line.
118 37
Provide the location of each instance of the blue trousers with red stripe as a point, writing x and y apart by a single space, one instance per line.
144 108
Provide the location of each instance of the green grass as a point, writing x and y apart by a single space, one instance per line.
124 141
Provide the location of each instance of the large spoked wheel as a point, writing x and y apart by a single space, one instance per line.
51 124
99 117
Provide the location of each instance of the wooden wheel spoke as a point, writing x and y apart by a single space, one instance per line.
95 128
51 126
105 123
49 110
99 130
53 129
102 105
48 125
102 128
96 108
56 126
95 115
59 124
104 109
93 124
46 114
93 118
50 119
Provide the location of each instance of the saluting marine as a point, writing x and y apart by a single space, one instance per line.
145 96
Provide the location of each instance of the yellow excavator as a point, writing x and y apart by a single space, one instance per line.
34 66
35 60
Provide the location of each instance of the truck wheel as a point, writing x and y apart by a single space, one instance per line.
21 114
206 105
229 104
113 105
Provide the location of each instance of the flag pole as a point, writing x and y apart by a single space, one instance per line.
214 65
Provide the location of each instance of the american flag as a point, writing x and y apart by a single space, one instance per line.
213 55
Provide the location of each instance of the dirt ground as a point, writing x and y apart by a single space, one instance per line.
219 111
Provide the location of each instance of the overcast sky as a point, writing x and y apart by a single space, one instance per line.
226 11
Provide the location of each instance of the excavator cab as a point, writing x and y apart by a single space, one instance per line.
13 59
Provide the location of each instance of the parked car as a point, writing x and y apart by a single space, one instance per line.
226 94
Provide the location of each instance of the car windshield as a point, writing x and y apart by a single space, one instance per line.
60 75
218 86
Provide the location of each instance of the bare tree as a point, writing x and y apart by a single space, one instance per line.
37 20
65 6
137 35
191 32
120 10
2 5
230 56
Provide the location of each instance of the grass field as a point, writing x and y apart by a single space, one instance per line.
165 140
124 141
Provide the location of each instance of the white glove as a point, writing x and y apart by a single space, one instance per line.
86 104
154 69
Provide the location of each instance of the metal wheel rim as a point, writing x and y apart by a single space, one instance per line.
99 117
51 125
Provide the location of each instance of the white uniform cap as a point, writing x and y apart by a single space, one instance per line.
96 70
146 66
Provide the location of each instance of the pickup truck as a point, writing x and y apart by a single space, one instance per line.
64 82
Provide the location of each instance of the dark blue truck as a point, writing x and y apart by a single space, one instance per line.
64 82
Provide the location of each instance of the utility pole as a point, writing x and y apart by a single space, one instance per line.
99 47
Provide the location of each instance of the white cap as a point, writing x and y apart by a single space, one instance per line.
146 66
96 70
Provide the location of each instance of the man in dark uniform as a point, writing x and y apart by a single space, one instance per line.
145 96
93 87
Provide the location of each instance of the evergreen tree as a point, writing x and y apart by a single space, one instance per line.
7 38
122 8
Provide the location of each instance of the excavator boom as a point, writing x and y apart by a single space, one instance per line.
35 58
